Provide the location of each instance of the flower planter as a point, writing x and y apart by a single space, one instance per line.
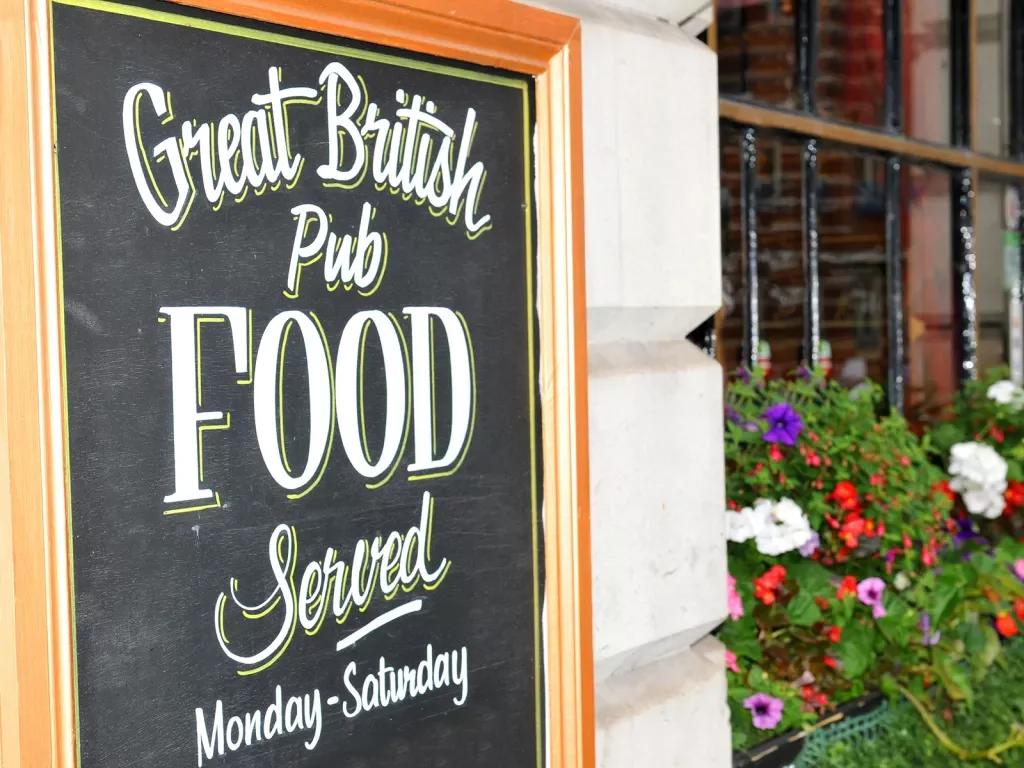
783 750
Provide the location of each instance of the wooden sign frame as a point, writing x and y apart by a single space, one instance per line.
37 710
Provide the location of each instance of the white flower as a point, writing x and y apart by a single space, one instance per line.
747 523
786 528
979 476
901 582
1005 392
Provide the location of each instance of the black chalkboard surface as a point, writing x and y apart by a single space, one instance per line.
301 382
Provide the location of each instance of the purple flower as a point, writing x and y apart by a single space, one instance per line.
930 638
784 424
812 545
731 415
743 375
870 593
804 373
765 710
965 531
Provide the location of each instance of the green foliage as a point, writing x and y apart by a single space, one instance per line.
998 707
870 489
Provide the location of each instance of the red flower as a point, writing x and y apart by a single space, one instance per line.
834 633
852 529
876 480
1006 626
905 461
928 554
821 700
822 602
775 454
844 494
997 434
813 460
945 490
830 662
766 585
1014 495
848 587
1018 607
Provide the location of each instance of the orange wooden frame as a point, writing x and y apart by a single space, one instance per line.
36 645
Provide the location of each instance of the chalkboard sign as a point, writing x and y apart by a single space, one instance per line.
300 348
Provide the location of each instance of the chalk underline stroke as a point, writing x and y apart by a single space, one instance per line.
380 621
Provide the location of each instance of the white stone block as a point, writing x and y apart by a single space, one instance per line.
670 714
673 11
651 173
651 170
657 501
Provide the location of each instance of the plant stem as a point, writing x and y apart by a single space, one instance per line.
991 754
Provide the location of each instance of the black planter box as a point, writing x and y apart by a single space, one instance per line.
784 749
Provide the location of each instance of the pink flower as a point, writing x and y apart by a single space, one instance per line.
1018 568
765 710
730 661
870 592
735 601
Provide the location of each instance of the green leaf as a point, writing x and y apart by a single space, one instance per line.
740 637
856 649
947 592
812 577
974 638
954 678
747 648
993 647
803 611
895 628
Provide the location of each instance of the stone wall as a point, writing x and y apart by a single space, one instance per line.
651 168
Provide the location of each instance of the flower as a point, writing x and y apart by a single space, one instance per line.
732 415
943 488
965 530
747 523
1005 625
830 662
811 545
1018 568
930 638
848 587
786 528
834 634
775 454
735 601
979 476
765 710
852 530
1005 392
869 592
784 424
845 495
730 661
1018 607
1014 496
766 584
901 582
